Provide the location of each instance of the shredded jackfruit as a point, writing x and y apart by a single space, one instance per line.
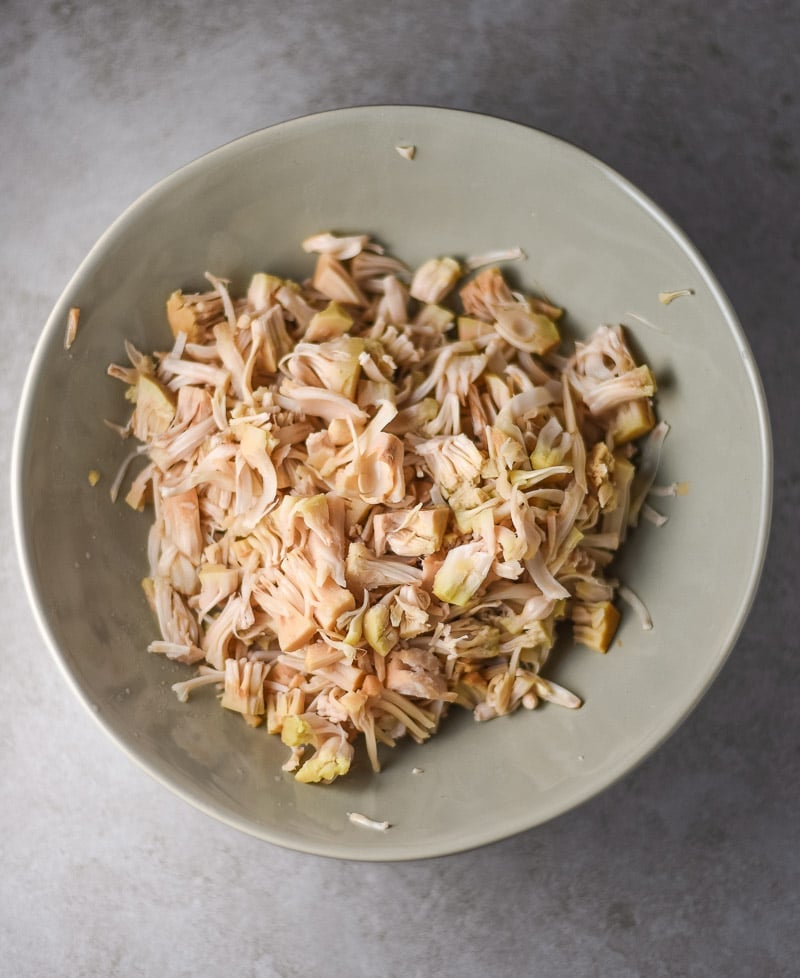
379 491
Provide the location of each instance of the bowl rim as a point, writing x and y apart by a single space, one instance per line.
476 838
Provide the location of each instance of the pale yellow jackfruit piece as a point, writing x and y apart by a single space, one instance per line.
552 445
506 445
414 418
356 513
462 573
155 408
434 279
217 582
545 458
410 533
526 330
470 328
334 362
435 317
536 640
453 460
333 280
379 472
371 392
261 290
615 520
409 611
595 624
339 433
466 503
355 626
599 473
182 317
378 630
512 546
334 320
332 601
631 420
315 513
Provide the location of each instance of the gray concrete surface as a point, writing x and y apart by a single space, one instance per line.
688 867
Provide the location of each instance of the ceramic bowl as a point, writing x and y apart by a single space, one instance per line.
595 245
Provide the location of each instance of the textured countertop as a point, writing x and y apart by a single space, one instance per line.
689 866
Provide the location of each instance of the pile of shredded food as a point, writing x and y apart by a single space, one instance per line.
375 494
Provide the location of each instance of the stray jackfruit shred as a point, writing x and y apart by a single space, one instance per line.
666 297
71 331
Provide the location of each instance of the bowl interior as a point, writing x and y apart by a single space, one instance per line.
594 245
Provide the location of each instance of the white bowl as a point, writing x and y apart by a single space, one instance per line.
597 246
